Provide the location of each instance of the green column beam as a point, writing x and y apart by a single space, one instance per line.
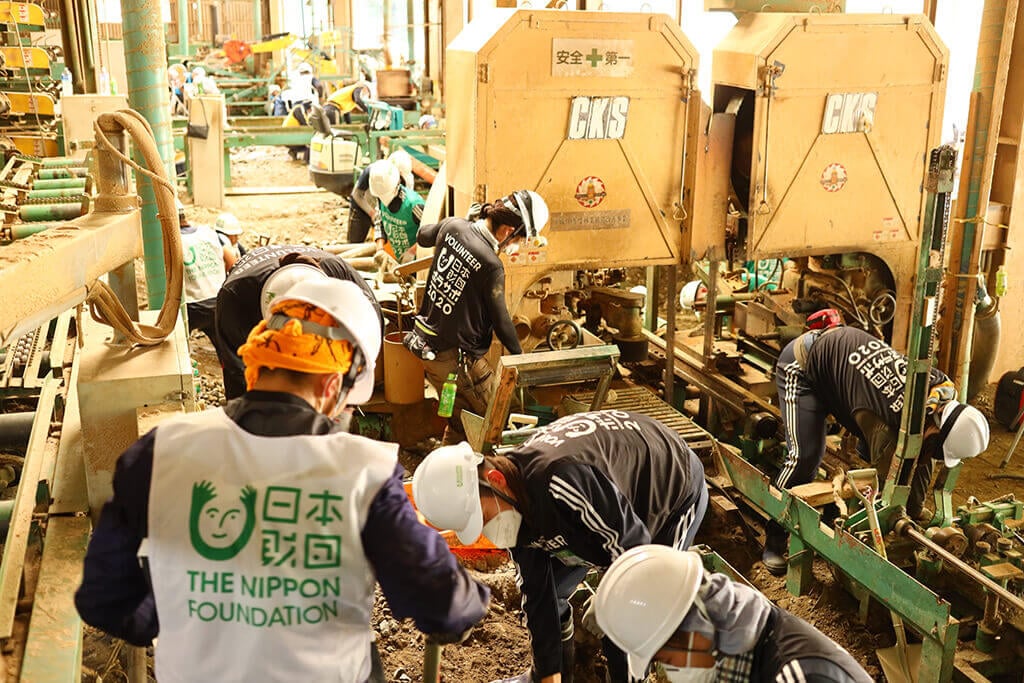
183 27
146 61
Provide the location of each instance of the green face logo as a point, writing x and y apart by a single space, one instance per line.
219 532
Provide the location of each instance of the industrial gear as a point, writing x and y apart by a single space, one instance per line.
964 432
643 597
318 326
283 279
228 224
403 162
384 180
531 208
446 491
824 319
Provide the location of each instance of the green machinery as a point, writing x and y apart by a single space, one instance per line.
37 193
268 131
956 583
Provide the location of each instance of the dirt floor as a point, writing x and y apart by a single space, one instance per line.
499 647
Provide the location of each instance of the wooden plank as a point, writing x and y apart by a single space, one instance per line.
53 650
24 504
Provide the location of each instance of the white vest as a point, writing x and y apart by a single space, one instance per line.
255 552
204 263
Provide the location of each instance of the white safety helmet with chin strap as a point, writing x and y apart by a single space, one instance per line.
384 180
532 208
403 162
357 323
446 490
283 279
963 432
644 597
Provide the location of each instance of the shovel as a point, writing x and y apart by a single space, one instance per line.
901 662
431 662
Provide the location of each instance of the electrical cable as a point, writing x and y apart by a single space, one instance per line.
103 303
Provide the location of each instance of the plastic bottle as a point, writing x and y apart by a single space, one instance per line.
446 405
1001 281
66 85
103 88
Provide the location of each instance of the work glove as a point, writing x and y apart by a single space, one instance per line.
589 619
385 261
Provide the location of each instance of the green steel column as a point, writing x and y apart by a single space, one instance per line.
146 61
257 19
182 27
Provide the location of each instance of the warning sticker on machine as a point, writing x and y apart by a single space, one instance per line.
591 57
590 220
833 178
590 192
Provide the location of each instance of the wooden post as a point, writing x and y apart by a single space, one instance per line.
207 156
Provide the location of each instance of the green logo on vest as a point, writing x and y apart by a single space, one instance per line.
219 532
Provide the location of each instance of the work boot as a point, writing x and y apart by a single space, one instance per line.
775 542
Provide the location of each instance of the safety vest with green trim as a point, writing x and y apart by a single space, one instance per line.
400 227
203 259
255 552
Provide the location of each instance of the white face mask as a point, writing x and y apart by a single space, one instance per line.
512 249
689 674
503 529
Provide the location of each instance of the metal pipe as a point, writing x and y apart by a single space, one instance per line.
906 528
145 59
257 21
61 184
70 172
15 428
23 230
51 194
52 212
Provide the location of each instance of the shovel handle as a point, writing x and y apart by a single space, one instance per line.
432 662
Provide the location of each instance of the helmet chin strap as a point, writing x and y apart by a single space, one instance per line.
511 236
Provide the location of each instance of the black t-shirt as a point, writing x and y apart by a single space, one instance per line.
238 303
465 299
851 370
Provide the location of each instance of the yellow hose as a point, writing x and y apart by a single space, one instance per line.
103 303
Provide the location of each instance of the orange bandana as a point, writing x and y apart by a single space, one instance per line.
290 348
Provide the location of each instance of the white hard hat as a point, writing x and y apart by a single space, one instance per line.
643 598
446 490
228 224
283 279
531 207
690 292
305 68
403 162
347 303
964 432
198 73
384 179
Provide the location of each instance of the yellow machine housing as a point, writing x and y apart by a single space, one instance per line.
592 110
836 116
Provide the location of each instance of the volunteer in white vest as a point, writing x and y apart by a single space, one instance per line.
266 526
205 269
